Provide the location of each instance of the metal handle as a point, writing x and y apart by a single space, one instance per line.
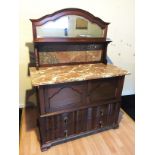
101 124
66 133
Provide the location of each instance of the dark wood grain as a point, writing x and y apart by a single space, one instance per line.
70 40
52 47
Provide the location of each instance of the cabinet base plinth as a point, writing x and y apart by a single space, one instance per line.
46 146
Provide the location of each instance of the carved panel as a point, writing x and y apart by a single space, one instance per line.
103 90
64 96
61 97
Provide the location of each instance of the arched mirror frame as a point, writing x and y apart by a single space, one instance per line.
39 42
70 11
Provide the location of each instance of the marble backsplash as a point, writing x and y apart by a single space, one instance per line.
71 56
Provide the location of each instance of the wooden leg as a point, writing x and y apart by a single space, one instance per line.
44 149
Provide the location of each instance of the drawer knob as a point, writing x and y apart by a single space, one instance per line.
66 133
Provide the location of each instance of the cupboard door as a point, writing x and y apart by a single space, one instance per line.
64 96
102 90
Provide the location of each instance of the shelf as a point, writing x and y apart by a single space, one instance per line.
72 40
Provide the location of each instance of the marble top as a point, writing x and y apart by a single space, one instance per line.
70 73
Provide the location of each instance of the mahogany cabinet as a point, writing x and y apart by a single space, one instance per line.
81 95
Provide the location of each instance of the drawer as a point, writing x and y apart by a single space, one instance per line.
63 125
56 127
106 115
96 117
67 124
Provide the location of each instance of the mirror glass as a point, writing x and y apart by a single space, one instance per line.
69 26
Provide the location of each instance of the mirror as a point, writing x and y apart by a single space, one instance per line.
69 26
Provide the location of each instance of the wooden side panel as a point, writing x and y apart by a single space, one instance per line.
41 99
118 96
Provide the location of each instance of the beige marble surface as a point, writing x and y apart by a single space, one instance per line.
62 74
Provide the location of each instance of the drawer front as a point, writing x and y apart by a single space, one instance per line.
64 96
106 115
76 122
56 127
